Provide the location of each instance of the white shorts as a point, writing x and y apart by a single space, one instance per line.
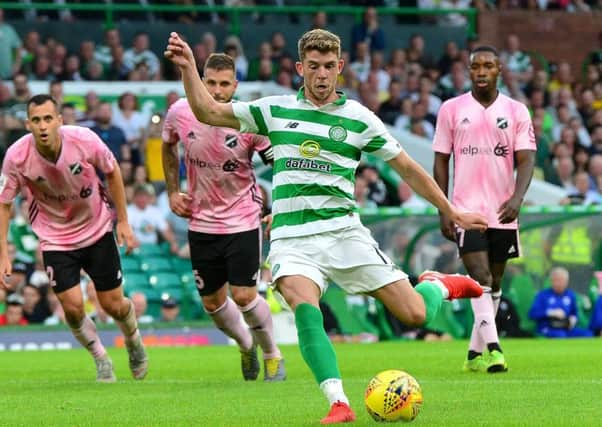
349 257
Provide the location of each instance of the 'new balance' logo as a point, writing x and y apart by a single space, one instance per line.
292 125
483 323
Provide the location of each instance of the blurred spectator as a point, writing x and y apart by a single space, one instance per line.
57 315
117 69
418 118
88 118
278 44
516 61
71 71
368 31
28 50
233 47
18 278
170 309
377 190
397 64
408 198
417 53
555 308
146 220
389 110
361 63
112 135
265 57
140 305
55 88
360 193
451 54
35 306
86 57
454 19
13 316
140 53
427 97
562 78
582 194
2 300
132 122
454 83
10 49
103 52
21 235
595 56
319 20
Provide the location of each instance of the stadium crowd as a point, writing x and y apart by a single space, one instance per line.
404 87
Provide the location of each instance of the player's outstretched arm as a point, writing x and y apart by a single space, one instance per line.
125 234
179 202
5 265
204 107
424 185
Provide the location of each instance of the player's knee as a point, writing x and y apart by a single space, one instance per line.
74 313
244 296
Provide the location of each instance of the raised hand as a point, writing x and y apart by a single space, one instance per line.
179 52
6 269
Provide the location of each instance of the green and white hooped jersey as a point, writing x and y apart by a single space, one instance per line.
316 151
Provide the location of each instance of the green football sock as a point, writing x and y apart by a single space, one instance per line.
433 298
316 348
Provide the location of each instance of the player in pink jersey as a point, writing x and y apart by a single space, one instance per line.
55 168
224 205
489 135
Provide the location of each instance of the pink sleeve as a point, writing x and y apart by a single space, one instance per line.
525 135
9 181
101 156
443 140
170 130
260 143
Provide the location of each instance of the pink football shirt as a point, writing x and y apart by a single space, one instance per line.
483 142
68 205
225 196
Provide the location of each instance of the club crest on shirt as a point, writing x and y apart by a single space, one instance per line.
231 141
337 133
309 149
75 168
191 135
501 150
502 122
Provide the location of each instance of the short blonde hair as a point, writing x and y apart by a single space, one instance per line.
321 40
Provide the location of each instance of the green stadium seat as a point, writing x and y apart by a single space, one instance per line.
146 251
135 280
162 280
155 265
130 265
181 265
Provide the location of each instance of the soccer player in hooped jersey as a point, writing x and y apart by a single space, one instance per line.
55 168
316 236
489 135
224 205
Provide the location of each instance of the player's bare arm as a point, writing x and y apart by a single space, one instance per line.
5 265
179 202
204 107
125 235
525 163
441 175
425 186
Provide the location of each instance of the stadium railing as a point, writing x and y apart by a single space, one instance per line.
234 14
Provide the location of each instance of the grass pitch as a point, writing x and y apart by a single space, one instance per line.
550 383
